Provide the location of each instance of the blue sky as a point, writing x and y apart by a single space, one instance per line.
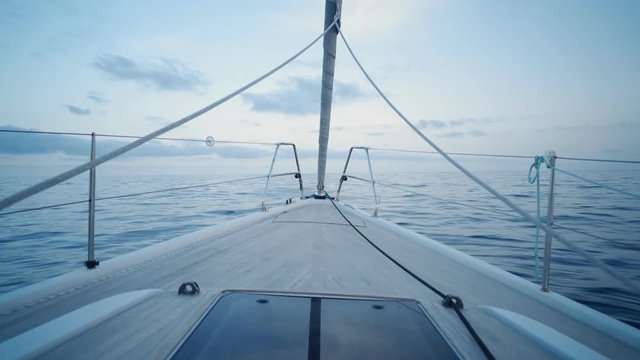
517 77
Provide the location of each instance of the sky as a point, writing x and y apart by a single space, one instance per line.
494 76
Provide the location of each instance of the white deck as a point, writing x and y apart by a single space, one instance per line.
305 247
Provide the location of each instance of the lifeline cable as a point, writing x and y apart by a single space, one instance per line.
132 194
598 184
464 320
119 136
570 245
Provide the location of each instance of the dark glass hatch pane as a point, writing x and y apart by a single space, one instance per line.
246 325
243 326
366 329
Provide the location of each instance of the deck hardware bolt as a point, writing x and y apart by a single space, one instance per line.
452 301
189 288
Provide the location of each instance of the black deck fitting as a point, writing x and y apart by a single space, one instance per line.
189 288
452 301
90 264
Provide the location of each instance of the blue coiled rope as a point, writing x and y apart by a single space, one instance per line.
537 161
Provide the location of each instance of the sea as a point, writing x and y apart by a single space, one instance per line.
440 204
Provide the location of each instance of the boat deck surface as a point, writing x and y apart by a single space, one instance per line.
306 247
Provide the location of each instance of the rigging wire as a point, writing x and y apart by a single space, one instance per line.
585 233
507 155
134 137
43 132
512 156
453 153
188 139
397 187
21 195
597 262
44 207
598 184
599 160
491 211
456 306
180 188
134 194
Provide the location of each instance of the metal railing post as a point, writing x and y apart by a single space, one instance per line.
373 184
273 161
343 177
91 260
299 174
550 160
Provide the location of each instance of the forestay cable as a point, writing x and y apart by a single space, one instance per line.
21 195
597 262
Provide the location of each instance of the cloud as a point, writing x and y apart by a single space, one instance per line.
23 144
161 73
300 97
433 124
452 134
96 96
459 134
344 91
77 110
466 121
441 125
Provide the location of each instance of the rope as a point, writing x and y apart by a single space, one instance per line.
8 201
442 295
599 184
491 190
537 161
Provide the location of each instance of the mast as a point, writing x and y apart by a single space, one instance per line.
332 7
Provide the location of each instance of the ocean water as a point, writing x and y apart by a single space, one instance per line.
37 245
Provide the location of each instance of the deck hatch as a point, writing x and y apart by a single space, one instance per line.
267 326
